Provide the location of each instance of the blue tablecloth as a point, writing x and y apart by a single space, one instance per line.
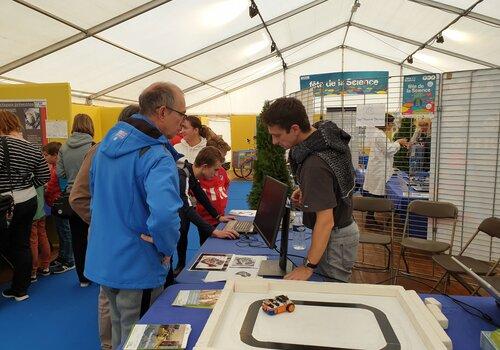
252 246
464 329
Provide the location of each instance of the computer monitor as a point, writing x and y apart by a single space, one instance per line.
271 212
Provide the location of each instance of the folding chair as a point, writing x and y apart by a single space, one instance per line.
434 210
490 226
376 205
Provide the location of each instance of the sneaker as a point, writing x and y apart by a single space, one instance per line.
62 268
55 263
44 272
84 284
33 278
9 293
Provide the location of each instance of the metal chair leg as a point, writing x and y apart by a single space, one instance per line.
438 282
401 253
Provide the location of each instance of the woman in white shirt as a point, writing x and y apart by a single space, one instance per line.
380 162
194 136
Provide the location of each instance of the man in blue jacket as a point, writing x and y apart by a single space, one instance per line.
134 186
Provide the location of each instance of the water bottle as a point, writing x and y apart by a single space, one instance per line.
298 232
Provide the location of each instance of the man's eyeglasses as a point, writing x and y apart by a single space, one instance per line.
183 115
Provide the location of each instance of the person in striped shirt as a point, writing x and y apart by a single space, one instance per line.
28 170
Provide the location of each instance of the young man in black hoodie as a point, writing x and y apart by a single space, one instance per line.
321 162
206 164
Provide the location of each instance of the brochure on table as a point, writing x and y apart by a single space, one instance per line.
240 266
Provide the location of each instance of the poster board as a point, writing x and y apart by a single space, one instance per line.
370 114
32 114
419 93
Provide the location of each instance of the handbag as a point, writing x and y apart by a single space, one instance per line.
61 206
6 200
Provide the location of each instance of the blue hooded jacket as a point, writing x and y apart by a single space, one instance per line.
134 184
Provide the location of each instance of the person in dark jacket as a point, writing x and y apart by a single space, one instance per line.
26 170
205 166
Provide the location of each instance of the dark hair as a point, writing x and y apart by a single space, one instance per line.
127 112
195 122
156 95
285 112
208 156
52 148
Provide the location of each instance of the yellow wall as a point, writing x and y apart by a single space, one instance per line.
103 117
58 96
243 127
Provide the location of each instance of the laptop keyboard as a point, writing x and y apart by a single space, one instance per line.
240 226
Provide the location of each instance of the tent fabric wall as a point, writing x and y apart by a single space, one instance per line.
109 52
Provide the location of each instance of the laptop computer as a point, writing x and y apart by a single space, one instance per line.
489 283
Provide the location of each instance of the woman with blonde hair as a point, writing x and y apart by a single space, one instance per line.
69 162
22 169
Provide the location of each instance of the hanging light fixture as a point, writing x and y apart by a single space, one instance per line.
410 60
439 38
273 47
253 10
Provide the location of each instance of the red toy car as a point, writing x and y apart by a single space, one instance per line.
277 305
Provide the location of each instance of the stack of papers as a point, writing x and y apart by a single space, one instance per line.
247 213
240 266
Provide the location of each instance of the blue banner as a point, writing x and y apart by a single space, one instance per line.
419 92
348 83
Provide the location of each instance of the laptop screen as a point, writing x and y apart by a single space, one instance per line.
270 211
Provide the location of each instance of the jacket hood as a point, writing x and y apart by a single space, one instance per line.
199 146
78 139
124 138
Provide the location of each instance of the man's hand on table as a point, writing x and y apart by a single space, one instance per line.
300 273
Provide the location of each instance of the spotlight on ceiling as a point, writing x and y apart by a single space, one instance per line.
410 60
440 38
356 6
253 10
273 47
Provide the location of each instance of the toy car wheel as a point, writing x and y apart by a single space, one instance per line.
290 308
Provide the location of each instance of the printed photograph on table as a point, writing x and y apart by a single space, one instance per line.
152 336
243 261
197 298
211 262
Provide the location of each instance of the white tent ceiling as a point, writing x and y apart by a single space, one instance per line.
111 50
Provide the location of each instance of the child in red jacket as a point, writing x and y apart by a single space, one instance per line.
217 187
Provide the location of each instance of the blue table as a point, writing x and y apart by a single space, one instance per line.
464 329
254 246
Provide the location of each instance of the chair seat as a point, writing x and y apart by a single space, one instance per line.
374 238
445 261
424 245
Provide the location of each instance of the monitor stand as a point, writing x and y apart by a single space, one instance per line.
281 267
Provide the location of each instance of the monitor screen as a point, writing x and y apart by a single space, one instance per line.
270 211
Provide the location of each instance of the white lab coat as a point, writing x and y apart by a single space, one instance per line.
189 152
380 162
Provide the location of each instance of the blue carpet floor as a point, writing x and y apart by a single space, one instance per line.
60 315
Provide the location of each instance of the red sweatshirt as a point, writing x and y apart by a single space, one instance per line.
216 190
52 191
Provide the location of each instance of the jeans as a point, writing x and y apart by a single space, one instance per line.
127 307
341 253
65 246
15 244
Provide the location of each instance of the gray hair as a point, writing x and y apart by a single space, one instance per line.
156 95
